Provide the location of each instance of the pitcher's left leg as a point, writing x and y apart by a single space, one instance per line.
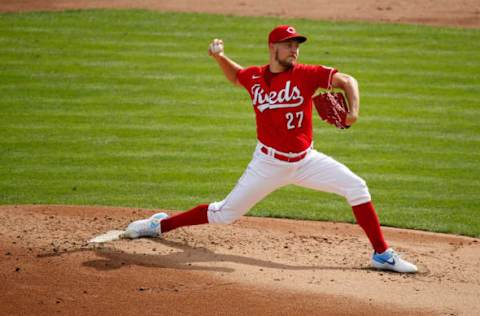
323 173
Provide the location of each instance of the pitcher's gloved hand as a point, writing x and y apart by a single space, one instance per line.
332 108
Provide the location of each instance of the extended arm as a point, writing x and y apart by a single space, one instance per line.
228 66
350 86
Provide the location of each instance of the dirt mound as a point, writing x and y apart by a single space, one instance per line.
255 266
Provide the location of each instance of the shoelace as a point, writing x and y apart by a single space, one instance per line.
396 257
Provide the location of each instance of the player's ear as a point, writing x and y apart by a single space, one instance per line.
271 47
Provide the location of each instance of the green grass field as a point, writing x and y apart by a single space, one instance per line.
126 108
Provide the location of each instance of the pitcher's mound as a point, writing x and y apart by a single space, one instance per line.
256 266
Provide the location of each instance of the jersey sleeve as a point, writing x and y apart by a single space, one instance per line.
320 76
242 76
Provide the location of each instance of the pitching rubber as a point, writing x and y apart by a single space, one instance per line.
111 235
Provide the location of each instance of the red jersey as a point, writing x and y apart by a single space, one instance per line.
283 107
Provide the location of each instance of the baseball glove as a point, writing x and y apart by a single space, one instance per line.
332 108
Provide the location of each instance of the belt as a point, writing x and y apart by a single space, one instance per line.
282 157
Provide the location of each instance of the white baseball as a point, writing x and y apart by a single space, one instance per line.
216 47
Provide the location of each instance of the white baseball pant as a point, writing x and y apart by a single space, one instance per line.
266 174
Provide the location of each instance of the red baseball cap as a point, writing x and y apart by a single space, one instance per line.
285 32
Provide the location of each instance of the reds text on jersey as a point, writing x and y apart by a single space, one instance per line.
283 109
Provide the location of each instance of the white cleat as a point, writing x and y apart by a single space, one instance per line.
145 227
390 260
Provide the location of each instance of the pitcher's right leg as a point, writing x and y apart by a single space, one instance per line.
259 179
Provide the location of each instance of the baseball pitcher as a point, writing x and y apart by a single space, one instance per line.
281 93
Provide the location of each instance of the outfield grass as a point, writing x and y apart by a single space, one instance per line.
125 108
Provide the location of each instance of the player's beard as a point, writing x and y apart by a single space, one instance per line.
284 62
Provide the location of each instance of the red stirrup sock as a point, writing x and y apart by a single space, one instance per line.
368 220
195 216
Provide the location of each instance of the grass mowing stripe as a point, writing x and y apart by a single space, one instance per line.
371 99
100 52
134 44
139 114
172 89
458 86
394 59
116 122
128 75
126 107
153 67
172 173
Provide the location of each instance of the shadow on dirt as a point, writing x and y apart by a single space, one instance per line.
187 259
